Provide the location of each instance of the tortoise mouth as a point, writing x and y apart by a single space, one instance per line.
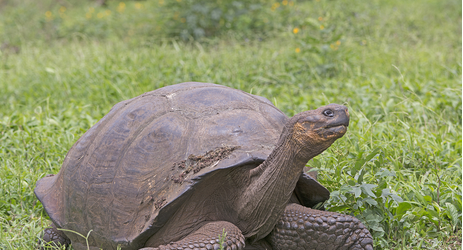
338 124
343 122
339 129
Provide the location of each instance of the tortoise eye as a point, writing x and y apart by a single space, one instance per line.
328 113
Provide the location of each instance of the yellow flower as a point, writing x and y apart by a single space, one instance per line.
291 3
121 7
284 2
161 2
88 15
322 27
138 5
107 12
338 42
320 19
91 10
49 15
100 15
62 9
179 1
296 30
333 46
298 50
275 6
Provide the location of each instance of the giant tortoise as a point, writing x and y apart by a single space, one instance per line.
180 166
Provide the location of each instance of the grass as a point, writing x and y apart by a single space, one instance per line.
397 67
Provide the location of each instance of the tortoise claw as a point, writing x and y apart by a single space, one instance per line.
52 237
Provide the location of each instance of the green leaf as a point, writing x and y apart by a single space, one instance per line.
433 213
370 201
360 176
338 171
340 208
361 161
432 234
372 154
453 214
357 191
428 198
396 198
385 192
367 189
385 172
373 218
402 209
377 228
419 197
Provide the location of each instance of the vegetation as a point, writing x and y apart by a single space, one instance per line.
396 64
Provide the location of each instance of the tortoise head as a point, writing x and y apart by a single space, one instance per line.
315 130
304 136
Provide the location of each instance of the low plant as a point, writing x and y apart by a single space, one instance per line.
190 19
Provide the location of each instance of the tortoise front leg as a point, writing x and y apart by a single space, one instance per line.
304 228
208 237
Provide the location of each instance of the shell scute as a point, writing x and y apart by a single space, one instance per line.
206 98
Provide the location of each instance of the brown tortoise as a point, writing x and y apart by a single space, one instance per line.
173 168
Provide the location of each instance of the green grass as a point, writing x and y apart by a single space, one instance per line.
398 68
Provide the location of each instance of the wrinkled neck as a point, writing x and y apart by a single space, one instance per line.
282 169
271 186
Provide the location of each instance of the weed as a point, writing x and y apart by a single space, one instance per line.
222 239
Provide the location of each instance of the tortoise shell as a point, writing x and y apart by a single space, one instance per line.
126 176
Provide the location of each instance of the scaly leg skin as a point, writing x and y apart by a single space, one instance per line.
52 237
304 228
208 237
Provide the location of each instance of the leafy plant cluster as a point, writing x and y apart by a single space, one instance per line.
319 44
430 210
150 20
207 18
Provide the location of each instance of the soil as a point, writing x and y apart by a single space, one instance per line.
160 203
194 163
